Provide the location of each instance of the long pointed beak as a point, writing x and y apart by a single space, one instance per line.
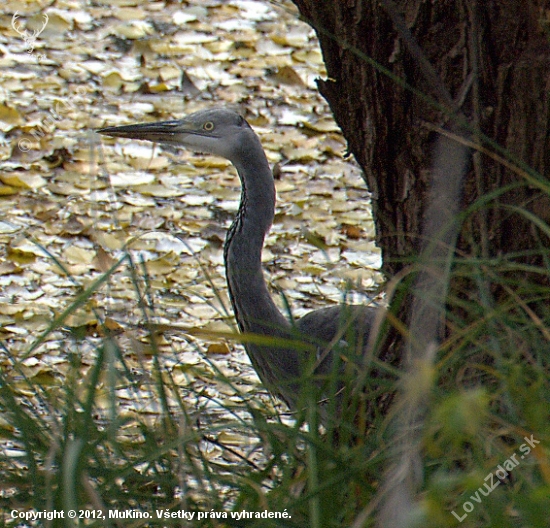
160 132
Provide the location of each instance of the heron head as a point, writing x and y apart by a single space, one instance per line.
215 131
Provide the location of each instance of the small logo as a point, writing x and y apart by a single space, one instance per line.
29 39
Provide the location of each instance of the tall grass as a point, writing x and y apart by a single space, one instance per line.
103 436
99 435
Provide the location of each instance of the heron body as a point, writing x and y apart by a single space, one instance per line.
281 367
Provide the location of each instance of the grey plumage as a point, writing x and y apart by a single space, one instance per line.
280 367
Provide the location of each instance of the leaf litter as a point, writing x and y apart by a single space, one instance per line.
72 204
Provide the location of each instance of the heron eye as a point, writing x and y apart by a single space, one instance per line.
208 126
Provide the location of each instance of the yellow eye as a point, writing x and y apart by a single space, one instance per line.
208 126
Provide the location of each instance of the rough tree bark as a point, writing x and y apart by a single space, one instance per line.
493 57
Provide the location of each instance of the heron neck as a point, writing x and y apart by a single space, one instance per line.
254 308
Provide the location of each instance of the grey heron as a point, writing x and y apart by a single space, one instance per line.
280 365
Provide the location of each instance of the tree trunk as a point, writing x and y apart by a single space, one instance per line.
475 73
493 58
